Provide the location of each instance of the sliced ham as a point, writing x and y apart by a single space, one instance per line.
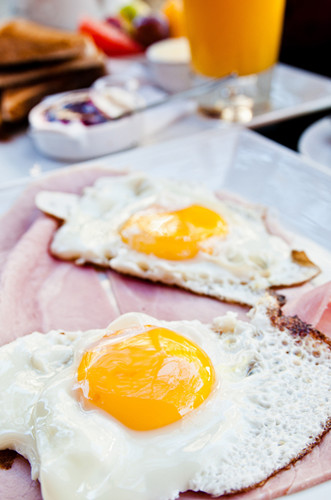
23 275
24 212
16 482
165 302
72 298
40 293
313 307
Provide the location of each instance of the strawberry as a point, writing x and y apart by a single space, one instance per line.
109 38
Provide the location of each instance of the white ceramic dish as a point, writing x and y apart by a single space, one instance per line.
253 167
315 142
169 62
76 141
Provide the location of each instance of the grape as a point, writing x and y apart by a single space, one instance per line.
150 29
134 9
114 21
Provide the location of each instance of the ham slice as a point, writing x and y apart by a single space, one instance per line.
23 213
165 302
50 295
16 482
314 307
40 293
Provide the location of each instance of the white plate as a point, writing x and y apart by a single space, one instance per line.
253 167
315 142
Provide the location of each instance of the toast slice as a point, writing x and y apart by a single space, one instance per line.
91 58
17 102
25 42
36 61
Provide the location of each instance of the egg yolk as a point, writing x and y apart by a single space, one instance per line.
146 380
173 235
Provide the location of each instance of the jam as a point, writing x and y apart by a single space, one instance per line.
82 110
91 107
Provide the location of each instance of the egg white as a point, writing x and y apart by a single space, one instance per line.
270 402
245 262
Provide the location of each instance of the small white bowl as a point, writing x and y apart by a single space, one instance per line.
76 141
169 61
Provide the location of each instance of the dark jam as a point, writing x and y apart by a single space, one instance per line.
83 111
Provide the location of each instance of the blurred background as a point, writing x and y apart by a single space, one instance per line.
306 44
307 35
306 41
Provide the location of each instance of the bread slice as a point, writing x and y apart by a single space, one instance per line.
91 58
24 42
36 61
17 102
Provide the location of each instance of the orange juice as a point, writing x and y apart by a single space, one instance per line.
241 36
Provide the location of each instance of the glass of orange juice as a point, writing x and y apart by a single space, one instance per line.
235 36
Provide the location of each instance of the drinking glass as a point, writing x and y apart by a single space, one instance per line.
235 36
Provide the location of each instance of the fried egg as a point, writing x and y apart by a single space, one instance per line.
174 233
147 409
